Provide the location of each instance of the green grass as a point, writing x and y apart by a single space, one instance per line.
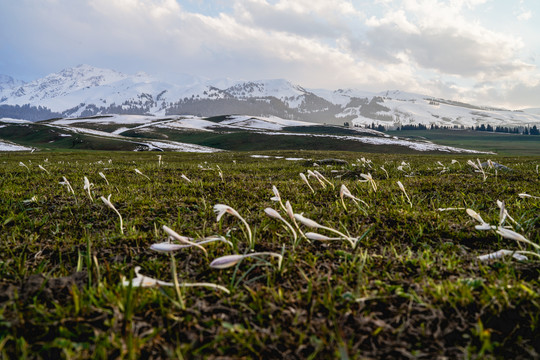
500 143
48 138
411 287
252 141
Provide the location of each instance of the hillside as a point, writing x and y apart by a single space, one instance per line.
205 134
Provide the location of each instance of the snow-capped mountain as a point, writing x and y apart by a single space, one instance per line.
281 89
7 83
85 91
396 109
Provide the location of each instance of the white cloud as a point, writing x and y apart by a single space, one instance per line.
414 45
438 36
525 15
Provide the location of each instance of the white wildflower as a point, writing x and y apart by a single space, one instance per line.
140 173
103 176
108 202
221 209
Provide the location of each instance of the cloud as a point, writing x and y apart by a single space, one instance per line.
414 45
437 36
525 15
296 20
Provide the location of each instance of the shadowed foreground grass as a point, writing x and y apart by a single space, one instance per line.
409 286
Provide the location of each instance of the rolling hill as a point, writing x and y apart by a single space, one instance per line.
204 134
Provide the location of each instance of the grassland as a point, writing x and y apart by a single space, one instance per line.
500 143
409 285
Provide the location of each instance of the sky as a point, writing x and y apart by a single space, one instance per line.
485 52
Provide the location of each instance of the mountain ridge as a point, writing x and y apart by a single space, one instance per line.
85 90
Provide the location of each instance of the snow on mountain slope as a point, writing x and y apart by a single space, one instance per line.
7 83
412 109
106 120
74 126
136 122
342 97
391 141
262 123
7 146
76 88
187 124
63 83
281 89
154 138
85 91
178 146
13 121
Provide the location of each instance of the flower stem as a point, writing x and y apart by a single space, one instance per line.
176 284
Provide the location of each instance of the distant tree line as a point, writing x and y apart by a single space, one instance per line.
525 130
27 112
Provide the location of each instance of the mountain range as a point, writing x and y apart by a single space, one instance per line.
84 91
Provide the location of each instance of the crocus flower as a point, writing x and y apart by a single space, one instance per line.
368 178
274 214
320 237
344 191
277 196
305 180
33 199
290 213
87 187
108 202
227 261
313 224
321 176
402 188
512 235
67 184
168 247
103 176
483 225
181 238
140 173
220 173
144 281
499 254
311 173
503 214
525 195
472 163
165 247
185 178
221 209
42 168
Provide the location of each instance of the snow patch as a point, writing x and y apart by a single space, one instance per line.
415 145
178 146
14 121
7 146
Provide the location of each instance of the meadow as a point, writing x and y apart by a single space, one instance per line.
500 143
227 255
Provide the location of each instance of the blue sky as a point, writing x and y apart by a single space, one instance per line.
480 51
